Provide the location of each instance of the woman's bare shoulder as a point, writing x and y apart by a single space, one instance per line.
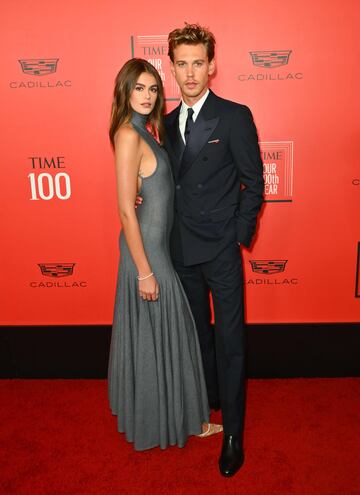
126 135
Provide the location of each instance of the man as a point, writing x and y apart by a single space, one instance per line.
213 147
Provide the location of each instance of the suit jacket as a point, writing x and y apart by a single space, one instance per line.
218 180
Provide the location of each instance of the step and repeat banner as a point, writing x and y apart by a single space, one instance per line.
295 64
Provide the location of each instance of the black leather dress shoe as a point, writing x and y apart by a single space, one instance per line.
232 456
215 405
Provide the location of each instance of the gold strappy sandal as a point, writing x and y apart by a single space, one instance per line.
212 429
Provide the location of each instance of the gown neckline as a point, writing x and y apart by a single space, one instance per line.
139 119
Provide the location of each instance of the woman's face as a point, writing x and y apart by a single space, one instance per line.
143 96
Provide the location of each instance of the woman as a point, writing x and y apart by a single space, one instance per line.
156 382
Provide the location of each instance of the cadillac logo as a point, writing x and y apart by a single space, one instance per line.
269 60
39 66
56 270
268 267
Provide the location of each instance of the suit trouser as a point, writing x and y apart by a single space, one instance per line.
223 350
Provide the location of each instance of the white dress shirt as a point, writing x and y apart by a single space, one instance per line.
184 113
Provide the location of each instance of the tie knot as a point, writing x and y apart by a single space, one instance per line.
190 113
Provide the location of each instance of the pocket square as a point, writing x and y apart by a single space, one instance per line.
214 141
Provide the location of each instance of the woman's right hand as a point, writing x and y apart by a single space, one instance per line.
149 289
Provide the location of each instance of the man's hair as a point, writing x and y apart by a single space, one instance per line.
192 34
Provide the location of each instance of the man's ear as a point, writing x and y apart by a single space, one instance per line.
212 67
172 68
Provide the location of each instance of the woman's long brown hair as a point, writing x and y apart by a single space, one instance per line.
125 83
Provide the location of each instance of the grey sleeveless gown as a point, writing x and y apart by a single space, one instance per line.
156 382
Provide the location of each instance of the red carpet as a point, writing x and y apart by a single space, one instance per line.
58 437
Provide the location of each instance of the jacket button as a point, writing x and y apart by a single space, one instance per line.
199 186
202 212
178 186
205 159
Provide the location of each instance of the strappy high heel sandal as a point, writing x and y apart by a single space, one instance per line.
212 429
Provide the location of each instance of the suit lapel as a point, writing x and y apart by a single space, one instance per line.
205 125
175 141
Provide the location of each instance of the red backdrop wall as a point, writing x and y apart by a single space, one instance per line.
295 64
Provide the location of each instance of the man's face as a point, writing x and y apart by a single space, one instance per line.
191 68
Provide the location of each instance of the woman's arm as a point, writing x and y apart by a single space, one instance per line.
128 156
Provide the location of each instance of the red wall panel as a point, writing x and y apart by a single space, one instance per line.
54 119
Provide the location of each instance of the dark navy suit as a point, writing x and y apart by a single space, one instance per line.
219 192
